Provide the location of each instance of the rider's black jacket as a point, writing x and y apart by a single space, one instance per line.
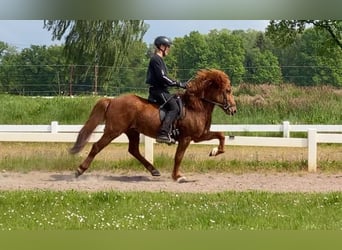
157 74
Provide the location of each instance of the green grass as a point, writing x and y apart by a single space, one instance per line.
23 164
48 210
38 110
62 161
273 104
257 104
25 157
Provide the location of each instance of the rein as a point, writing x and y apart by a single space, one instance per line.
225 105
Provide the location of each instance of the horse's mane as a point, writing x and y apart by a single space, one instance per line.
204 80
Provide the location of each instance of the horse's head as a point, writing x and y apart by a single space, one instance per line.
213 86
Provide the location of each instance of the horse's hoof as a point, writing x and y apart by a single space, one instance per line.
181 179
155 172
78 173
213 152
74 150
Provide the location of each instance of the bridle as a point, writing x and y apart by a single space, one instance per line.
225 106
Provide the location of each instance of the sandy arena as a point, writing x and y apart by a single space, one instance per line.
196 182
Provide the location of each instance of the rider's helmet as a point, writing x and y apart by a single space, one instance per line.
162 40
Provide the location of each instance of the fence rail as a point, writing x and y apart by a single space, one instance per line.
68 133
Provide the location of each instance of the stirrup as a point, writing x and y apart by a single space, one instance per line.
165 139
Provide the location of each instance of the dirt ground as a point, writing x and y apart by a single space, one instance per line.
196 182
128 180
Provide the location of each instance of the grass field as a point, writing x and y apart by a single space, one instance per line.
256 104
113 210
25 157
72 210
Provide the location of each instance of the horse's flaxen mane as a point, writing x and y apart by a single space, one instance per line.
204 79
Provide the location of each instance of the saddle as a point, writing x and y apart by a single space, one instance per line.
162 113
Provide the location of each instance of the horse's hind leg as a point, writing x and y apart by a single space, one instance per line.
133 149
96 148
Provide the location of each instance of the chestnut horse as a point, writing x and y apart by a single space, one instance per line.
132 115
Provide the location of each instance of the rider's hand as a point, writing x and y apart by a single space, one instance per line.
182 85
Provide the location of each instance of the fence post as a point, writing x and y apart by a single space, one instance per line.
286 129
54 127
149 148
312 150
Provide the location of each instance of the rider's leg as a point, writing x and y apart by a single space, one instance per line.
165 129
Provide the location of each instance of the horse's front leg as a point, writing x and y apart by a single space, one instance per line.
214 135
182 146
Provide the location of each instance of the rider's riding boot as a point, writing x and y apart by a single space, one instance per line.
162 138
164 132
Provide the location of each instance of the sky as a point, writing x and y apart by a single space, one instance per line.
24 33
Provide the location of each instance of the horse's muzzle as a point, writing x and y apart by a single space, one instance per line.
231 110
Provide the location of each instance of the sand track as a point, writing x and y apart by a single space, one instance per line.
196 182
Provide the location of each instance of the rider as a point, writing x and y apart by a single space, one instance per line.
159 82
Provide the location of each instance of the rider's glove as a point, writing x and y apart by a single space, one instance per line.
182 84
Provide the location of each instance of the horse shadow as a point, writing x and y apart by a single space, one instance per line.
117 178
132 178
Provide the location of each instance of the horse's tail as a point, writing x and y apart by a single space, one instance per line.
97 116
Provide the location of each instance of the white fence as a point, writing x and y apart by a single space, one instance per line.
68 133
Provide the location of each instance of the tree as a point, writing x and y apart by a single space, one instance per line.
260 64
284 32
218 49
262 67
304 63
38 70
227 53
96 42
7 57
191 54
132 74
6 50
